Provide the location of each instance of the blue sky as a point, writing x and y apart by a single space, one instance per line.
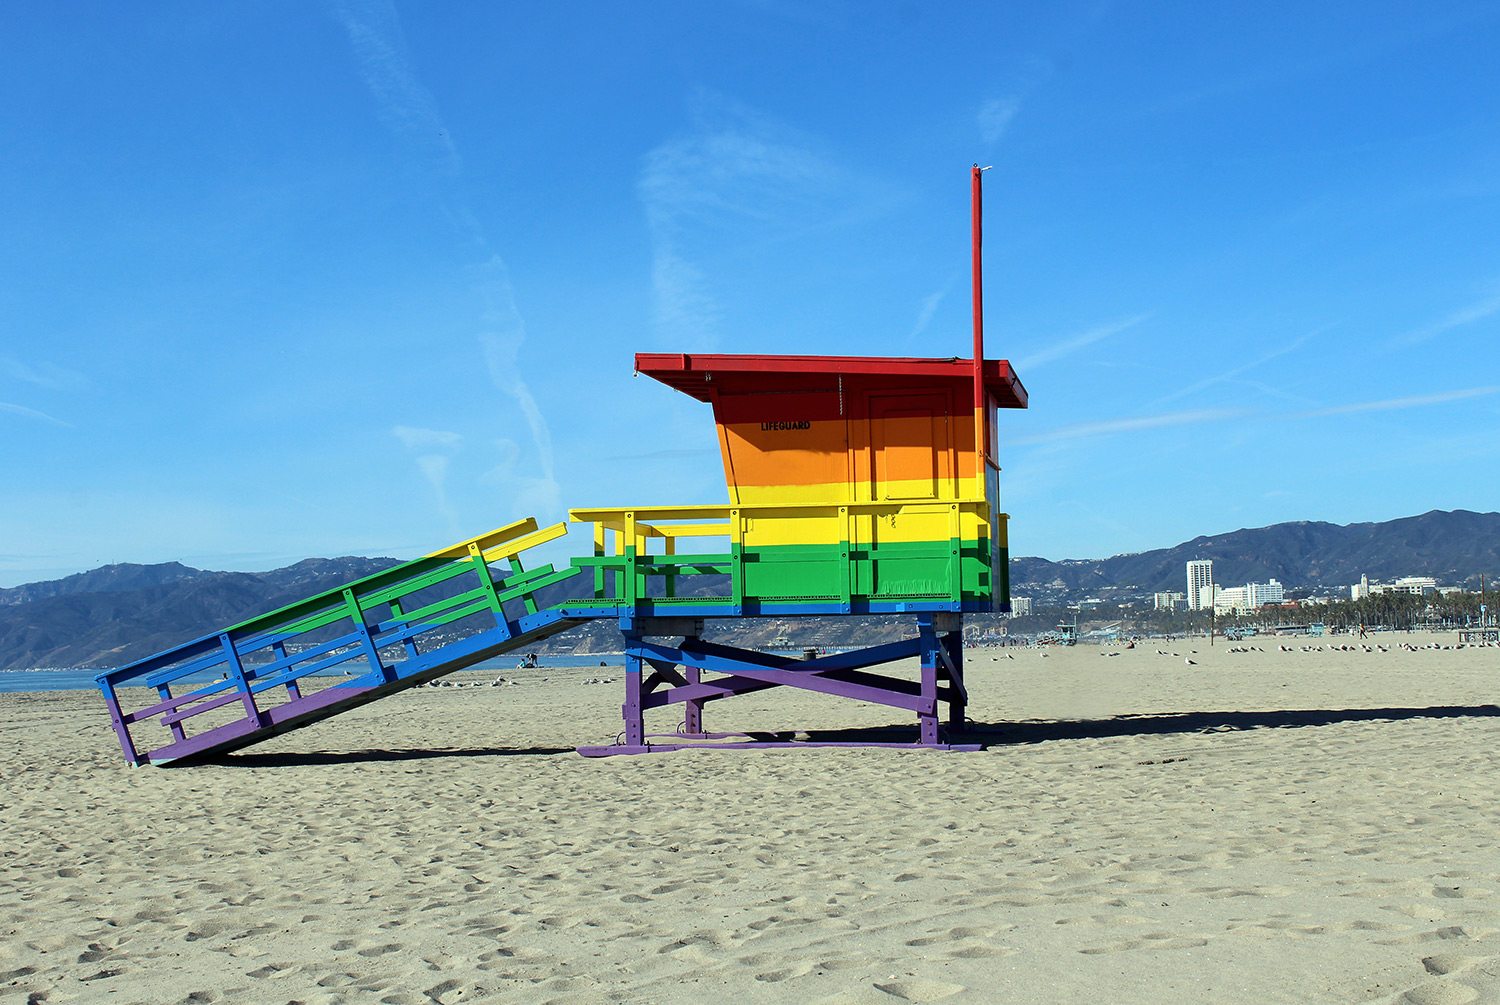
281 279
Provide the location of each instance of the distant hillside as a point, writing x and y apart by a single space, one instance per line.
1452 546
118 613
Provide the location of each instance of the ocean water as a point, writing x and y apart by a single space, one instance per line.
83 680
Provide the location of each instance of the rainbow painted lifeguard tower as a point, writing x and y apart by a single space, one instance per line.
856 485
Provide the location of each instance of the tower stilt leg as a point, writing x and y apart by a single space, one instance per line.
692 709
634 713
927 714
958 701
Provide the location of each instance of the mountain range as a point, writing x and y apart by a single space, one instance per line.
118 613
1453 546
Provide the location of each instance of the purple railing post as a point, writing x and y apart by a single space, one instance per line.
927 715
692 709
122 731
635 719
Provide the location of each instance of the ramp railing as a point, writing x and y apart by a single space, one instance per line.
379 630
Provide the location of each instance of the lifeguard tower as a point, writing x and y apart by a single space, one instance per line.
856 485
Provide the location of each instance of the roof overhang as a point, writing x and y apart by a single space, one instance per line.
701 374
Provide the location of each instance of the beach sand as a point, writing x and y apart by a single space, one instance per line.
1262 827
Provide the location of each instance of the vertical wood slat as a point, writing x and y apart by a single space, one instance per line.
632 560
737 559
599 552
237 674
366 641
292 689
117 719
164 692
846 561
955 554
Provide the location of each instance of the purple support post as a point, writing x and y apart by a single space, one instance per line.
692 708
958 704
927 714
122 731
633 711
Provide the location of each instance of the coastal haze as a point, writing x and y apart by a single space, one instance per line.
113 615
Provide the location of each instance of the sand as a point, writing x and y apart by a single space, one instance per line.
1261 827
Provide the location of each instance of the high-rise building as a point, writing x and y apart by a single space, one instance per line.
1260 594
1200 580
1167 601
1229 599
1020 607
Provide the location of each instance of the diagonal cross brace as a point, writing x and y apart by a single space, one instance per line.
827 674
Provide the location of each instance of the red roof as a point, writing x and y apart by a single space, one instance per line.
696 374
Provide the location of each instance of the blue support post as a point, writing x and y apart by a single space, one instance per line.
237 675
958 700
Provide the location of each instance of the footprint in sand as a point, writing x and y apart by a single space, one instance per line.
1440 992
777 976
1156 940
917 990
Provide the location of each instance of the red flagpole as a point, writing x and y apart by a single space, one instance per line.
980 419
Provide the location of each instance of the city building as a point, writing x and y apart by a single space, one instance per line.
1250 597
1200 582
1258 595
1229 599
1168 601
1418 586
1020 607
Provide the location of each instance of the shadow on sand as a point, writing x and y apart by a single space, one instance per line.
990 735
1166 723
315 757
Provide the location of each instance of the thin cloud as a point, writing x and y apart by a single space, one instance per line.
995 117
1232 374
44 375
1396 404
734 173
1069 346
10 408
996 114
417 438
501 350
1457 319
1114 427
435 447
374 31
930 304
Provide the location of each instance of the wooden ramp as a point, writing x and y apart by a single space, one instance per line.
384 633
